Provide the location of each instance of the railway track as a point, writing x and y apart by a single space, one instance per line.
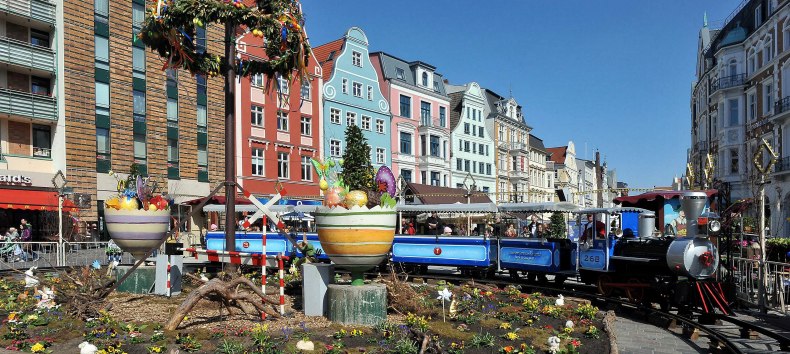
736 336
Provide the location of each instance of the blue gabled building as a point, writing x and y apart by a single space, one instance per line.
352 96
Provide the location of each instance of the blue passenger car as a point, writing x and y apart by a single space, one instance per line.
444 250
251 242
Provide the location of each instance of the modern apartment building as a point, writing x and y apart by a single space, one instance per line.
740 97
505 123
420 123
352 95
278 129
121 108
472 145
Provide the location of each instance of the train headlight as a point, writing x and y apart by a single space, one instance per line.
714 226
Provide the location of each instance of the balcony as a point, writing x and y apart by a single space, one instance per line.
518 148
782 165
429 123
782 106
432 160
29 105
39 10
727 82
519 176
26 55
701 146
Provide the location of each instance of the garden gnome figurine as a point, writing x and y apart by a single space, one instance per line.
87 348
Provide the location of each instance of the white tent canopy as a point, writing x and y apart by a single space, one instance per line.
447 208
547 207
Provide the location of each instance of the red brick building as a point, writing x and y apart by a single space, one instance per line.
278 130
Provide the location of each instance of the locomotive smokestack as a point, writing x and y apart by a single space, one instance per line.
692 204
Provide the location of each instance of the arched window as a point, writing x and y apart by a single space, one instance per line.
733 67
424 78
768 50
751 61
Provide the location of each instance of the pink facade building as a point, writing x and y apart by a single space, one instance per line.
419 105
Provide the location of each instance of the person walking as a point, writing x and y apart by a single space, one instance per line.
434 224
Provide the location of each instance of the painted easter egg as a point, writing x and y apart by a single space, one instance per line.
332 197
152 207
129 204
385 180
113 203
356 198
323 184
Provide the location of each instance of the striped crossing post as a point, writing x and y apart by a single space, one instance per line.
282 284
263 263
168 276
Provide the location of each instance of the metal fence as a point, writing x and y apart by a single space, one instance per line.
747 283
49 254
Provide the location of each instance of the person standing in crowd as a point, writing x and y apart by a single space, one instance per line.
511 231
411 230
533 227
26 235
600 229
404 227
543 231
434 225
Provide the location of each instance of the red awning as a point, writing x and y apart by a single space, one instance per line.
651 196
33 200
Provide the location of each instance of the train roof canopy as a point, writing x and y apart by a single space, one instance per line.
633 200
548 207
613 210
447 208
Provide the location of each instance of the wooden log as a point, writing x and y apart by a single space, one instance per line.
357 305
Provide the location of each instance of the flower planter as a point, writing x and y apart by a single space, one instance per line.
357 239
137 231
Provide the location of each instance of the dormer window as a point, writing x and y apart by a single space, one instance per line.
436 85
758 16
399 73
356 58
424 79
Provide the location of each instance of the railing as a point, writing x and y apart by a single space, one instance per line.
40 10
701 145
431 122
747 282
21 53
516 146
28 104
432 160
48 254
728 81
782 164
782 105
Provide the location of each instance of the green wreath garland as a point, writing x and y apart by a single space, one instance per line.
169 29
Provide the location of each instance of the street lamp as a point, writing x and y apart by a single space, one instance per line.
470 189
59 181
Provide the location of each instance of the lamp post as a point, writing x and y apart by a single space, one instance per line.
764 167
470 189
59 181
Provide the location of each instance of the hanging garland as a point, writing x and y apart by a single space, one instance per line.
169 29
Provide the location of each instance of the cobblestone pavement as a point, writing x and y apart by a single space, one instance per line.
639 337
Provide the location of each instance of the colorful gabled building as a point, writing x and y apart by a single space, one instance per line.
352 95
420 128
278 128
472 146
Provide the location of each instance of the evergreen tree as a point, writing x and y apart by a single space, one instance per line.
357 169
557 226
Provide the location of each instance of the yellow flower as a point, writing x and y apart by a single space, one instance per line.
511 336
31 318
505 325
37 348
567 330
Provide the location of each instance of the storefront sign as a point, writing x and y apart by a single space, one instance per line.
15 179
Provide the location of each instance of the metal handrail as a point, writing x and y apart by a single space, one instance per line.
728 81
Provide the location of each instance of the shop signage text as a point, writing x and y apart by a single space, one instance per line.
15 179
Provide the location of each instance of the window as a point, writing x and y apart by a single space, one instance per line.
101 52
734 161
200 39
172 110
306 127
356 89
786 36
380 126
435 146
751 102
474 147
351 118
380 155
501 133
202 155
139 105
399 73
768 51
480 134
751 60
771 6
405 143
488 171
435 176
101 10
334 148
405 106
39 38
257 162
485 189
282 121
424 177
307 169
768 98
256 115
466 165
370 93
39 85
356 58
139 149
406 174
172 152
344 86
466 146
102 98
425 112
138 62
482 167
334 115
138 15
102 141
758 16
305 92
282 165
459 164
172 77
366 123
466 128
443 117
283 85
436 86
256 80
733 105
42 141
425 79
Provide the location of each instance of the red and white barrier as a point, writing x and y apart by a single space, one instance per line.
282 283
169 266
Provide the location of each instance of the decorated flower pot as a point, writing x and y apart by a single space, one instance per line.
137 231
357 239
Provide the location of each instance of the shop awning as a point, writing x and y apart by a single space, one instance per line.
33 200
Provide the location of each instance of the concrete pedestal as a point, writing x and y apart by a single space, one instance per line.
364 305
176 265
315 279
139 282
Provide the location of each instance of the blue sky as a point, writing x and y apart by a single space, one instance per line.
609 75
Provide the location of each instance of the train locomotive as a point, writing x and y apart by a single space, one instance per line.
670 271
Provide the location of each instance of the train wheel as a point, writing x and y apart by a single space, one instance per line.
603 287
560 279
514 274
635 294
